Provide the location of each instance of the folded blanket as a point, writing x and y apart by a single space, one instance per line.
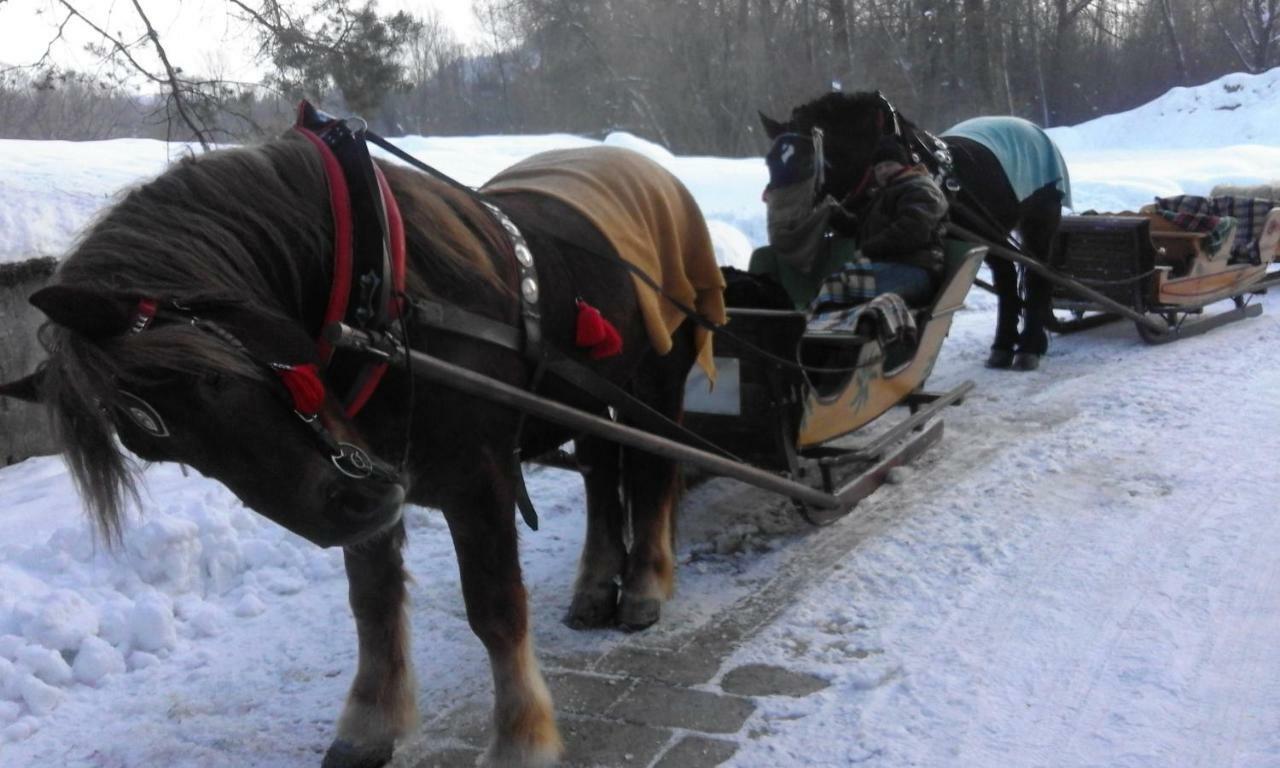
855 283
890 315
651 220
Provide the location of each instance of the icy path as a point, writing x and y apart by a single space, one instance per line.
1085 574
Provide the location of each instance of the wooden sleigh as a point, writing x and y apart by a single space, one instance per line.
788 420
1148 265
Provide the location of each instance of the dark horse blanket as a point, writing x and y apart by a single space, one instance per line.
1026 153
651 220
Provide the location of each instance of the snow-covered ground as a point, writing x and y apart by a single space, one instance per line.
1083 573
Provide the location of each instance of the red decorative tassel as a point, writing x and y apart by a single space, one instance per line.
596 333
304 385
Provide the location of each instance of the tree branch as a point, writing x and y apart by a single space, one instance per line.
175 84
120 47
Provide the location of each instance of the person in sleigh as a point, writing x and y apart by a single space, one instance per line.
898 235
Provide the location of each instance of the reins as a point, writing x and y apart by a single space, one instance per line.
689 312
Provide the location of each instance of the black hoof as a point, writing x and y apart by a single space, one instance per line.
1026 361
1000 358
593 610
637 613
344 754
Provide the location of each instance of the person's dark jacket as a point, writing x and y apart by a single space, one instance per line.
904 221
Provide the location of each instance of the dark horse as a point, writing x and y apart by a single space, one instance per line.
242 239
852 126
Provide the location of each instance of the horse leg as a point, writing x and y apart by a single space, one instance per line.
652 486
381 706
604 554
481 517
649 579
1041 213
1004 277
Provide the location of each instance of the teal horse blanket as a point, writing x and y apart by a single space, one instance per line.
1029 157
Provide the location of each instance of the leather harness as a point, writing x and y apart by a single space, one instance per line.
368 253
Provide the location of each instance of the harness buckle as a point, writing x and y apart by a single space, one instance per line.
369 283
352 461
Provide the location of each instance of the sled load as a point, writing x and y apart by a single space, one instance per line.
1172 260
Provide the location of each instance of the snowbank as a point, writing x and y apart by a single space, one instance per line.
76 616
50 190
1233 110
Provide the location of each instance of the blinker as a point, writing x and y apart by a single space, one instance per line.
141 413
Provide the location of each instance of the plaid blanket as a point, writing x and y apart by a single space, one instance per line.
1215 215
890 315
855 283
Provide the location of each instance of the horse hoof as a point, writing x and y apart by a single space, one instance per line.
1026 361
637 613
593 610
344 754
1000 358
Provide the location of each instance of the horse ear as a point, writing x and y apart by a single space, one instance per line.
91 313
772 128
27 388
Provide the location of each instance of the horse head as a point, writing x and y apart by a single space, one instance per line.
225 385
851 126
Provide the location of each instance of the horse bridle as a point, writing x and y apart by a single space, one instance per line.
300 383
939 152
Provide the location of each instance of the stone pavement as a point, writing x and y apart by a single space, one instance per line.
668 704
641 708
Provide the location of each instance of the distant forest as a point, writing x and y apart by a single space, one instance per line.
690 74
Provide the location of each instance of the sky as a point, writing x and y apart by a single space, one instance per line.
198 35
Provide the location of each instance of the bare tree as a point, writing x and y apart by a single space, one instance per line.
1256 34
352 49
687 73
1179 58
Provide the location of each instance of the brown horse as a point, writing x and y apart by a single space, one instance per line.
236 248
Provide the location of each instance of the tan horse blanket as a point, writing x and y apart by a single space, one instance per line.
650 219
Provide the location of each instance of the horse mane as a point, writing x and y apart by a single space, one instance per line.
248 226
841 113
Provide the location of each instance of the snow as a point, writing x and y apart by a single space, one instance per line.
50 189
1235 109
1082 573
